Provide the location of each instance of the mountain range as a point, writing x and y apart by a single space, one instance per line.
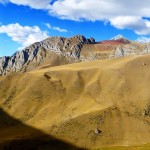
76 94
56 51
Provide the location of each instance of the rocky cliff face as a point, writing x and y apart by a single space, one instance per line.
59 50
34 55
131 49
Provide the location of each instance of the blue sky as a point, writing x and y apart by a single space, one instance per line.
23 22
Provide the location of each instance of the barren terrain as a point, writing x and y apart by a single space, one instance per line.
103 104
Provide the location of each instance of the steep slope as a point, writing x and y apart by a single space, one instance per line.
17 136
54 51
93 104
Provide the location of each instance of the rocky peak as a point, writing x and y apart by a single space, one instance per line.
34 55
120 38
82 39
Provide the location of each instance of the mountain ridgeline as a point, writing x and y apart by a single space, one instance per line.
55 51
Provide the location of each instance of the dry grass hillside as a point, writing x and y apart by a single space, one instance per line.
91 105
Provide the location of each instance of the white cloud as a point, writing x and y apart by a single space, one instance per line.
143 39
139 25
121 14
36 4
59 29
48 25
25 35
56 28
99 9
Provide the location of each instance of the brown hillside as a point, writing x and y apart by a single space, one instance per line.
91 105
114 42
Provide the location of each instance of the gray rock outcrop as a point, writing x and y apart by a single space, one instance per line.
34 55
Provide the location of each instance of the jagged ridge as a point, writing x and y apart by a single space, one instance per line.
59 50
34 55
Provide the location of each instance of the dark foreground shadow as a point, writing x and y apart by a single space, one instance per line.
14 135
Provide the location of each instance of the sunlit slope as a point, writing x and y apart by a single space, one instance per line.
100 103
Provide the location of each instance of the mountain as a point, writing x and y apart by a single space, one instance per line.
56 51
69 98
118 37
91 105
117 40
121 39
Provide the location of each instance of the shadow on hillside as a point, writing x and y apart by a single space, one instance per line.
14 135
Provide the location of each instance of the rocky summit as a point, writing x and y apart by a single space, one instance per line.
56 51
52 49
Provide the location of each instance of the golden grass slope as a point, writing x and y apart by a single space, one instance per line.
91 105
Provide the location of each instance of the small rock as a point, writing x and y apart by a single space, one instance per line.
97 131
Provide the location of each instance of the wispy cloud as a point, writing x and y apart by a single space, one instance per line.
25 35
36 4
143 39
4 1
48 25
